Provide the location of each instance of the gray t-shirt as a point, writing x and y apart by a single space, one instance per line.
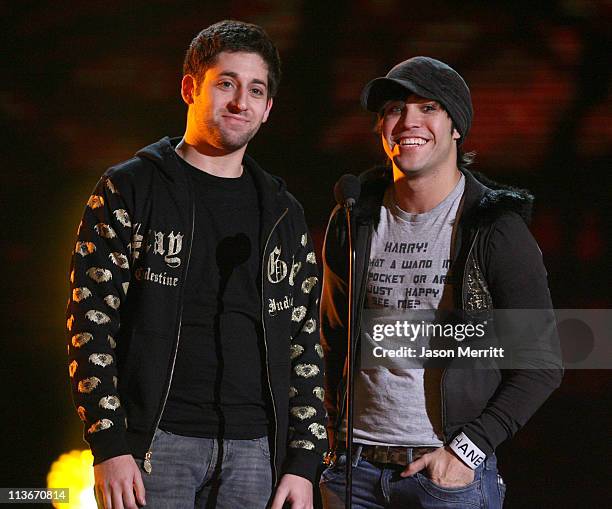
401 406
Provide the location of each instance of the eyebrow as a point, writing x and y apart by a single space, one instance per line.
427 101
235 75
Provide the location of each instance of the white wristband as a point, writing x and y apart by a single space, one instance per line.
467 451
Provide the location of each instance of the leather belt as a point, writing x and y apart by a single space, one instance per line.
391 454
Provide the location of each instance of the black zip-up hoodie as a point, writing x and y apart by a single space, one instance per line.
124 314
497 265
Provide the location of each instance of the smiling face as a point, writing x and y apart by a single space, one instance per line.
418 136
229 105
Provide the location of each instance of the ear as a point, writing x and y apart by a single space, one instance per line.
188 88
268 108
456 134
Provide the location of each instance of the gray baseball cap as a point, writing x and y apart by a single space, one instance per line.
426 77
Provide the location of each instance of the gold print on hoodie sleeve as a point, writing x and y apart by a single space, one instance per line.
87 385
99 275
78 340
100 425
109 402
80 294
309 326
120 260
97 317
319 350
110 186
318 430
101 359
123 217
301 444
112 301
306 370
104 230
84 248
303 412
309 283
295 351
298 313
95 201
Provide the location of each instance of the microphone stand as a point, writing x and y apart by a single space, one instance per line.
348 501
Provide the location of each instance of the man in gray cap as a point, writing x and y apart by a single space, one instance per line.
429 235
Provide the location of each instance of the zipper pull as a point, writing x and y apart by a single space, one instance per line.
329 458
147 462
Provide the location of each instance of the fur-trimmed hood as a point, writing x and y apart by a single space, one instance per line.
484 199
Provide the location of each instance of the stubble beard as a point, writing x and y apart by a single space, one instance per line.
228 139
414 169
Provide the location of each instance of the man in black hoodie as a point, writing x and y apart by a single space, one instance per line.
429 237
192 323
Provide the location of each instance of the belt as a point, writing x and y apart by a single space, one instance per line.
391 454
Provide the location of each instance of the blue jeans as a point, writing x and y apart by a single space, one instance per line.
377 486
190 472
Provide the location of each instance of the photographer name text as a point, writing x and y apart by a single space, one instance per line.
427 353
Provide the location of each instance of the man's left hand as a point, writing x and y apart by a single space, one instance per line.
294 490
443 468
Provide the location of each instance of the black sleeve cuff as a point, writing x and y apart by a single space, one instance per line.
303 463
108 446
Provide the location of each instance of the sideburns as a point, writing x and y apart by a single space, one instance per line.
378 125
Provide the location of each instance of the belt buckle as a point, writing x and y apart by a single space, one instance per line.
398 456
384 454
380 453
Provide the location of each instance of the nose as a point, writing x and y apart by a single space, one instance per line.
411 117
239 101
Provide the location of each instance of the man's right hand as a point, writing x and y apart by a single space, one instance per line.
116 481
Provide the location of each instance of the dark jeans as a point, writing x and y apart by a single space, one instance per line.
377 486
189 472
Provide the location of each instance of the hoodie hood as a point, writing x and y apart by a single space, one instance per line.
162 154
484 199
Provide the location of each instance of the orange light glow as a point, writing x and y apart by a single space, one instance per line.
74 470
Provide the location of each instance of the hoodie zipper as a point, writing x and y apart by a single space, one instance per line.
443 405
265 341
147 465
465 271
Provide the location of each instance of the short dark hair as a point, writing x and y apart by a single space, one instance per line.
464 159
232 36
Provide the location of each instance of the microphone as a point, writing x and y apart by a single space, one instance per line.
347 190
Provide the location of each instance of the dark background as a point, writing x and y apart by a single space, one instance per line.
86 84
